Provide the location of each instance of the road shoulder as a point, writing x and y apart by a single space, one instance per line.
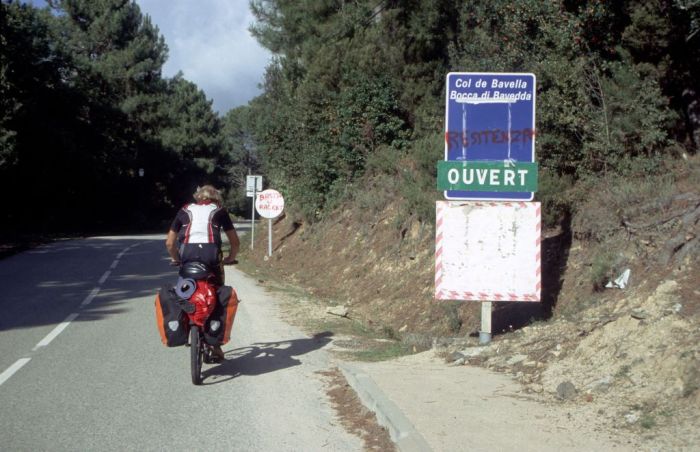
452 407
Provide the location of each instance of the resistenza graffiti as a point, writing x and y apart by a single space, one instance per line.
455 140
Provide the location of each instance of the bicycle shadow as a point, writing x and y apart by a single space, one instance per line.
264 357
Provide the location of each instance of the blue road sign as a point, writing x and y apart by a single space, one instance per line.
490 117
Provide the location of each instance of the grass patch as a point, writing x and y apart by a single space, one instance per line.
389 333
624 371
451 313
292 291
603 268
347 327
647 421
383 351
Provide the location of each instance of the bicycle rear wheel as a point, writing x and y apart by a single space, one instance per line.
195 355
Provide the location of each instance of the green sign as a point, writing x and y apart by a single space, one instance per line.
494 176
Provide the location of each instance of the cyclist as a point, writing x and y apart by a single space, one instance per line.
195 235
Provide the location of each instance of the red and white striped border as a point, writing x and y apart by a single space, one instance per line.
439 219
442 294
538 254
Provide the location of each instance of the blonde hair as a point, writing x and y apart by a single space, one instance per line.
208 193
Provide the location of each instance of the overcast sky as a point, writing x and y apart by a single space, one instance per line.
208 40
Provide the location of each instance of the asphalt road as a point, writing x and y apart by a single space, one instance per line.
82 366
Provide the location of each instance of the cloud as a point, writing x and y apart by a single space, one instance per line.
209 41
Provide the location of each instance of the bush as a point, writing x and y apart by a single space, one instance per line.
604 266
616 198
554 194
418 187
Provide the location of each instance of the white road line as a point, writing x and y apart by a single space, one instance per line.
125 250
56 331
90 297
10 371
105 276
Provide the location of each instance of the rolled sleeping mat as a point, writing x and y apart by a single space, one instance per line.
185 287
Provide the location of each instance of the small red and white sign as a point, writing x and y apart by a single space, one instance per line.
269 203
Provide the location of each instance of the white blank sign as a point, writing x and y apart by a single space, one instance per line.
488 251
253 184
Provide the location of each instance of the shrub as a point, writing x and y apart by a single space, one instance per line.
603 268
554 194
419 179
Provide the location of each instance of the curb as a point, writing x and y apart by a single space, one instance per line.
402 432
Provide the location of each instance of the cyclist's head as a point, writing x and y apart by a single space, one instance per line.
207 193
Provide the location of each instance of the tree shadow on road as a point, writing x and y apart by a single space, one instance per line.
264 357
44 285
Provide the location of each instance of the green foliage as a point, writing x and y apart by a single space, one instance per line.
626 117
624 371
383 351
419 179
353 98
242 158
354 85
327 106
647 421
8 104
84 107
603 269
554 194
454 321
606 201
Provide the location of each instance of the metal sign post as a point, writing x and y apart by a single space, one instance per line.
485 332
252 221
253 184
269 237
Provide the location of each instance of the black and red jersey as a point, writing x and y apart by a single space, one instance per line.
201 223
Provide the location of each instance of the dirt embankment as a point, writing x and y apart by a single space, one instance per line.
630 355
